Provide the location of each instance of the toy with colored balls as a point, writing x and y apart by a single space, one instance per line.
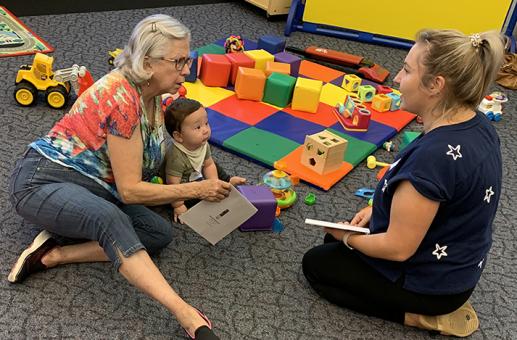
166 101
182 91
233 44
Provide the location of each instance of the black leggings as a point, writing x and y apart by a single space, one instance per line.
339 275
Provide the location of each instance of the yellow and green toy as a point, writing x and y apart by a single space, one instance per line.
281 185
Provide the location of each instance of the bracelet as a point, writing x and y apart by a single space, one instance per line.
345 240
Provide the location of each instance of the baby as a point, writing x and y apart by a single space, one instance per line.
189 158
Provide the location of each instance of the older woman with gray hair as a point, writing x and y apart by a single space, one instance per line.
89 177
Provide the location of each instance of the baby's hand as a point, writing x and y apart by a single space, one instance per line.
236 180
177 212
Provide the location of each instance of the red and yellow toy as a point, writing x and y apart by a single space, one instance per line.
168 99
353 115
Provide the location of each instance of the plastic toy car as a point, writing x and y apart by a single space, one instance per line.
39 77
113 54
492 106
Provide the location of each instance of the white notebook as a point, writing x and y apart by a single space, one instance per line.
214 220
337 226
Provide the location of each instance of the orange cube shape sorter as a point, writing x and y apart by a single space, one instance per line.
250 83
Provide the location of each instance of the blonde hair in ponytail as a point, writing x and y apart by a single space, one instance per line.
468 64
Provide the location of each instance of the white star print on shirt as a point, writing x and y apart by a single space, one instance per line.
454 152
480 264
489 192
394 164
385 185
439 251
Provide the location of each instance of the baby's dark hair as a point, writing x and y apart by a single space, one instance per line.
177 111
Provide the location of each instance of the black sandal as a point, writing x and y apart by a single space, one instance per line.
204 332
29 261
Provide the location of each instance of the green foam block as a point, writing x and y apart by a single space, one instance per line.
279 89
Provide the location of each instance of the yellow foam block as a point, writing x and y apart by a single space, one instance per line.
306 95
204 94
261 57
332 94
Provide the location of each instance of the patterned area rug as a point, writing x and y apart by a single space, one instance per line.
17 39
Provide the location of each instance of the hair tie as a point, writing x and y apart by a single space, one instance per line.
153 27
476 40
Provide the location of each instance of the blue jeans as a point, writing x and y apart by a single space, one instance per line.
71 205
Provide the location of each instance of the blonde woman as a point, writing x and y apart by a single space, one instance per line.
431 220
89 177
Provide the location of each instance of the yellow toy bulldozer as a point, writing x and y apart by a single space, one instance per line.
40 77
113 54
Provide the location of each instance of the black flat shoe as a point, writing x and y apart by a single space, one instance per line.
205 333
29 261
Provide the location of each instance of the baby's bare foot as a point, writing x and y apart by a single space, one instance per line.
236 180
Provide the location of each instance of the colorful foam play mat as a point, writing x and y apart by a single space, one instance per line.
17 39
266 133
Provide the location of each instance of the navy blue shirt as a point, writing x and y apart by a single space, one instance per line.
460 167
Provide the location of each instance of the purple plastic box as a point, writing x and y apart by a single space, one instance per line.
288 58
264 200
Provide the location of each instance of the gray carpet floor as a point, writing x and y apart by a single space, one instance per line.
250 284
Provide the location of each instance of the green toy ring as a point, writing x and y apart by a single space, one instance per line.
290 198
